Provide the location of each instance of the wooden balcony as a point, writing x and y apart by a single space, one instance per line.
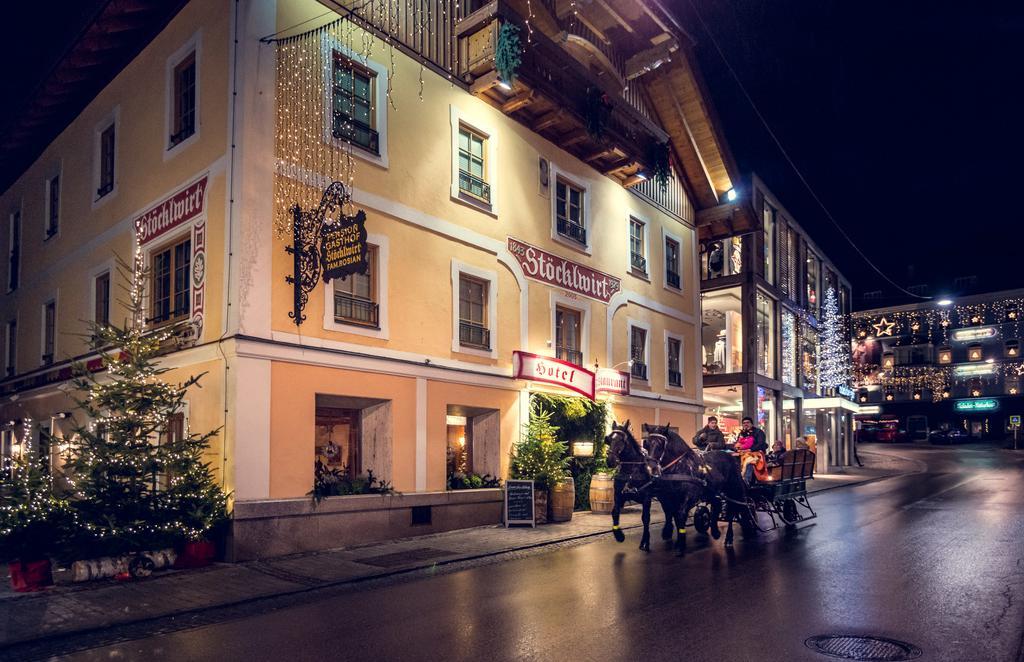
550 96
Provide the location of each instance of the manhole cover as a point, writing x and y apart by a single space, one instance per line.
403 557
856 647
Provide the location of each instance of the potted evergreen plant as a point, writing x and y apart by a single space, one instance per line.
539 456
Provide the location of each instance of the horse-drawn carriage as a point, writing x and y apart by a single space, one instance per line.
709 484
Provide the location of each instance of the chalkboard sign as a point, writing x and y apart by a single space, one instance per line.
343 247
519 502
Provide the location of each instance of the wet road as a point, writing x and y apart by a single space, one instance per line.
935 559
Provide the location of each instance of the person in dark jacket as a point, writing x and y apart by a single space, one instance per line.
752 445
710 437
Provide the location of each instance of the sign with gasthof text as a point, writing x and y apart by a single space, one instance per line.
549 268
548 370
343 247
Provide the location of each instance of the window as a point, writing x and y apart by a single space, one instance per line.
721 258
11 350
769 243
14 257
173 433
722 332
812 282
674 352
637 246
473 329
101 297
765 336
52 206
568 330
473 165
789 353
171 282
355 296
107 161
569 212
184 100
638 352
337 440
49 331
353 112
672 278
809 357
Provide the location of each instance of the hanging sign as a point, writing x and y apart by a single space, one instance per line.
549 268
548 370
612 381
974 369
976 404
845 391
179 208
519 503
343 247
979 333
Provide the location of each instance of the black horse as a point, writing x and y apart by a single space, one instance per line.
723 483
679 480
633 479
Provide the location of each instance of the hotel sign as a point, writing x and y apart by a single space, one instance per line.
548 370
179 208
612 381
549 268
976 404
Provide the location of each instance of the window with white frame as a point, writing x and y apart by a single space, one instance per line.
569 334
637 246
184 94
49 331
171 282
570 217
638 352
107 159
52 206
674 356
355 296
14 252
473 319
672 264
11 348
473 165
353 103
101 299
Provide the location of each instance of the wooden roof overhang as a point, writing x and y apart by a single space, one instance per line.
110 40
727 219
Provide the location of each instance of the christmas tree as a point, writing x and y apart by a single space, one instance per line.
833 350
137 477
539 455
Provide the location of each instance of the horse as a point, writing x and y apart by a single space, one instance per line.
722 477
679 480
633 479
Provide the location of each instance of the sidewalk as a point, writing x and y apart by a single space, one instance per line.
91 606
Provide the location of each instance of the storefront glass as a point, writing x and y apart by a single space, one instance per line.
789 423
789 353
812 282
809 357
722 332
769 243
765 335
722 257
725 402
337 439
766 413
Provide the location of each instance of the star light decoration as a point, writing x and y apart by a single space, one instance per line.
884 327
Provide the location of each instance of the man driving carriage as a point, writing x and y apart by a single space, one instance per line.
710 436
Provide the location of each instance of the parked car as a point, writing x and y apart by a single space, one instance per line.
954 436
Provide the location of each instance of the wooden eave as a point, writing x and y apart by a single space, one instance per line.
727 220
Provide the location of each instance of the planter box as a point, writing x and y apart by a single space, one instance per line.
30 576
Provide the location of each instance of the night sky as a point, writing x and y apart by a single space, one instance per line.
905 117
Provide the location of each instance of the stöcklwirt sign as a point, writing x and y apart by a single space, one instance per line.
549 268
537 368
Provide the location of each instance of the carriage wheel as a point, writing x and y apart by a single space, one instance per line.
702 519
789 512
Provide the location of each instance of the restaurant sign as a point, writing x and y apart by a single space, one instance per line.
548 370
612 381
343 247
976 404
176 209
549 268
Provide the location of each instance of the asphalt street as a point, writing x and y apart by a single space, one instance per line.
934 558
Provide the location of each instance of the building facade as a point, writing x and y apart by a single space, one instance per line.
947 364
763 286
516 224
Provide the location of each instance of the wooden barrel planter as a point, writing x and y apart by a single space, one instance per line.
562 500
602 493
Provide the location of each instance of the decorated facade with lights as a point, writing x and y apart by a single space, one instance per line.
929 365
773 332
528 184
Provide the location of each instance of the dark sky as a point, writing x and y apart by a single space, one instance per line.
905 117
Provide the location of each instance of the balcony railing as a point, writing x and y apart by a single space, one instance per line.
474 186
104 189
638 370
573 231
474 335
187 129
675 378
47 359
358 133
351 310
569 354
672 277
638 261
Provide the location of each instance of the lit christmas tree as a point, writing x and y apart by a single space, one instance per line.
137 483
833 350
539 455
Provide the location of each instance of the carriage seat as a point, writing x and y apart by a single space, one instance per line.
796 464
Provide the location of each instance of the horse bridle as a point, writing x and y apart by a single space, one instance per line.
664 447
